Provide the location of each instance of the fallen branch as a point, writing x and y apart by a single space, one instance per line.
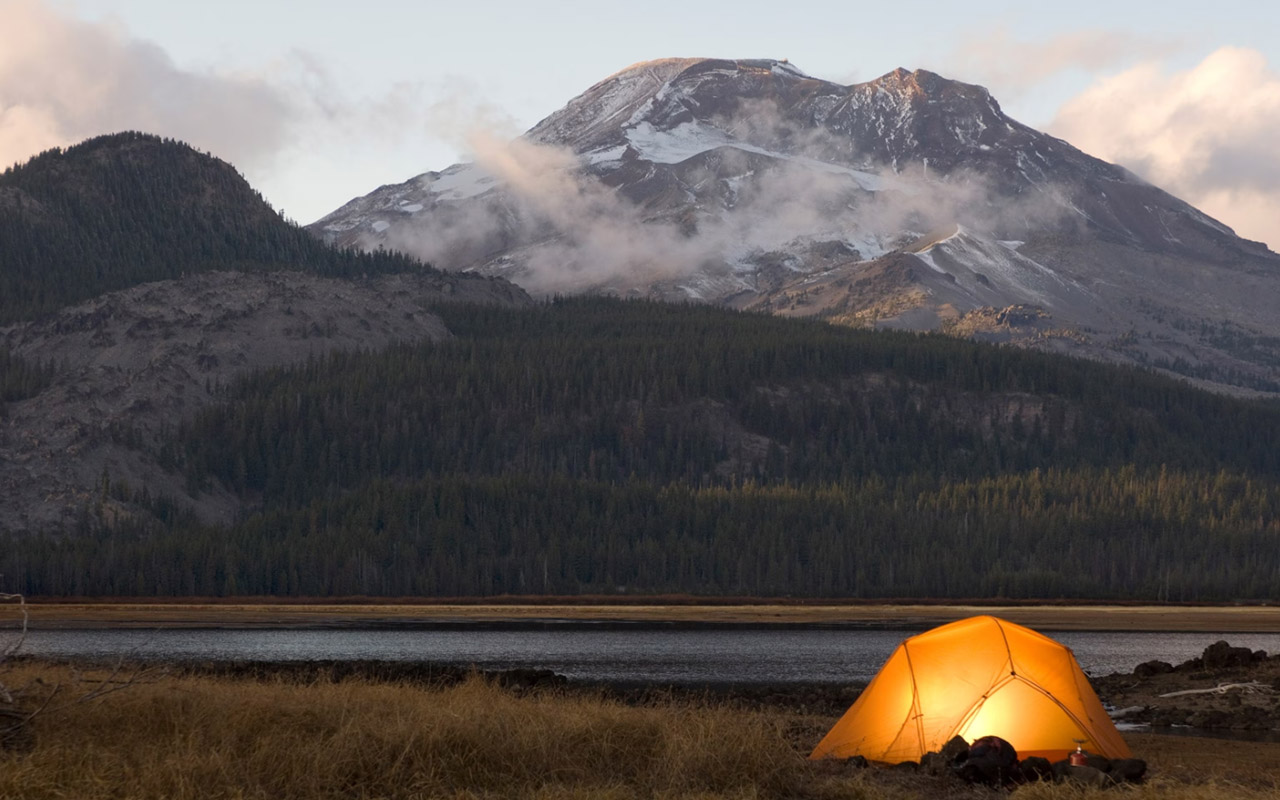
1252 687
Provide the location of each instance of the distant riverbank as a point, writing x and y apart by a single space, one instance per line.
529 614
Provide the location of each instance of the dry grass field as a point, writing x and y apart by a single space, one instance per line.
184 737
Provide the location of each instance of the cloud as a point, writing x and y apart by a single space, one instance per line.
567 230
1011 66
63 80
1206 134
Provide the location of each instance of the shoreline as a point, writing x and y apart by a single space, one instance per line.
46 615
808 698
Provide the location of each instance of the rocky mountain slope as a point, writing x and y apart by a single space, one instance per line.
145 351
129 366
908 201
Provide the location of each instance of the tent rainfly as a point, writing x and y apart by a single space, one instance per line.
977 677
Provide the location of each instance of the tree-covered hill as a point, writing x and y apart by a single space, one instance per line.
616 391
120 210
594 445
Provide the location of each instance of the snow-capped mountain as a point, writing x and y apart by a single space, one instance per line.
909 201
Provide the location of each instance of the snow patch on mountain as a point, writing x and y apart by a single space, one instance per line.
690 139
1000 267
461 182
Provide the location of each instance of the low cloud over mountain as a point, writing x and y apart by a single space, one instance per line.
907 201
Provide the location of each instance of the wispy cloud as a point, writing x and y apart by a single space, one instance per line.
1010 66
62 80
570 231
1206 134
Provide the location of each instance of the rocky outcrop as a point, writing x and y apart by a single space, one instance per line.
1225 688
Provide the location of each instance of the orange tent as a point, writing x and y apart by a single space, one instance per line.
978 677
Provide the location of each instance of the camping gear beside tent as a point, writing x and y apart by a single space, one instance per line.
977 677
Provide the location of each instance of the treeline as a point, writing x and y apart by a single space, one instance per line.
617 391
596 446
120 210
1094 533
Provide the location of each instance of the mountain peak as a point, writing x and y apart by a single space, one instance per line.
671 68
747 182
660 69
926 84
666 90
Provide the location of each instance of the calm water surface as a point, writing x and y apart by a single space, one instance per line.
686 656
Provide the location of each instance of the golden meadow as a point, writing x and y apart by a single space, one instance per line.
176 736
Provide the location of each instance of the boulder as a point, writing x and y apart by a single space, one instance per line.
1221 655
956 749
991 761
1128 770
1087 776
1100 763
935 764
1035 768
944 762
1154 667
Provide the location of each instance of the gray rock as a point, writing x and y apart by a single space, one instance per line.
1087 776
955 749
1221 655
1100 763
1148 668
1035 768
1128 770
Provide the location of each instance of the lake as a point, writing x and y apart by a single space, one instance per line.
582 653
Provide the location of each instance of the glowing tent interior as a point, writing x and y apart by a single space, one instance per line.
977 677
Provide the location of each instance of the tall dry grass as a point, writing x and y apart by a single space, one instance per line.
207 738
179 738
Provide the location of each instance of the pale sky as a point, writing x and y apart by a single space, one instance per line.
317 102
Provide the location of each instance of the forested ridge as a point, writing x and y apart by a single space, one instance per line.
594 445
615 391
116 211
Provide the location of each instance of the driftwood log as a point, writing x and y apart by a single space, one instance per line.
1252 687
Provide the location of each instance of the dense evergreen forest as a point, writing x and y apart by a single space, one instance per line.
618 391
20 379
120 210
598 446
1120 534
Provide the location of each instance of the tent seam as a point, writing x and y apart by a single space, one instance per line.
915 713
977 707
1087 729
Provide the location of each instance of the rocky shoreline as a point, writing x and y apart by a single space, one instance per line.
1225 689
